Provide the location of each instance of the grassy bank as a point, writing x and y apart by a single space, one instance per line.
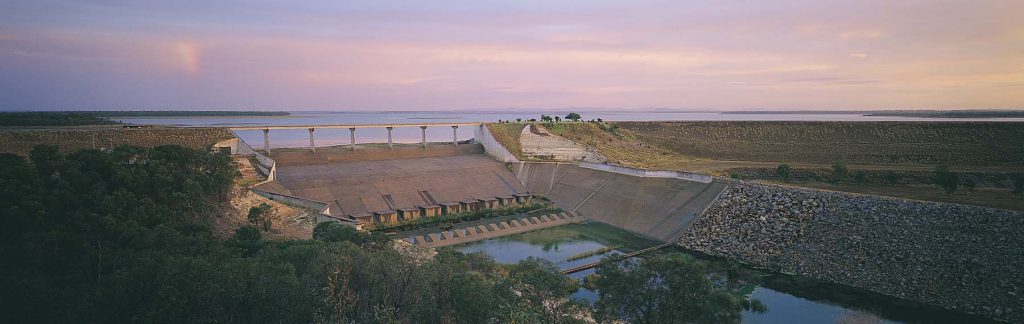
508 135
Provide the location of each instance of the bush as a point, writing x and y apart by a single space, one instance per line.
1018 183
945 179
735 175
839 171
261 216
783 171
860 177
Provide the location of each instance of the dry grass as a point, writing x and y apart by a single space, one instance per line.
508 135
619 146
953 143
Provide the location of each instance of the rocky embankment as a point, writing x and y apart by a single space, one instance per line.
70 140
959 257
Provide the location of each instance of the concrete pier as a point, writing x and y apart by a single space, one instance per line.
352 142
455 135
423 131
266 141
312 146
390 145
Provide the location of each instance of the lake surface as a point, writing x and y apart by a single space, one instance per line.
787 302
300 138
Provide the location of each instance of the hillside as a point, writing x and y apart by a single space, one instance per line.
953 143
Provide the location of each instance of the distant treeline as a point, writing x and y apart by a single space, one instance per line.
52 118
185 113
951 113
897 113
81 118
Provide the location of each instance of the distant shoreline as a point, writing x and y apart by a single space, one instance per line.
896 113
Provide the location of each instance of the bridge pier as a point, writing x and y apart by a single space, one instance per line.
389 137
423 131
455 135
312 147
352 141
266 141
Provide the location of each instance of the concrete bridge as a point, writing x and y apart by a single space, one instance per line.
352 129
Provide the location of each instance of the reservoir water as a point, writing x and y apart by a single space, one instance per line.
327 137
789 299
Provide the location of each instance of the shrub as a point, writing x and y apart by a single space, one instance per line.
945 179
839 171
860 177
735 175
783 171
260 216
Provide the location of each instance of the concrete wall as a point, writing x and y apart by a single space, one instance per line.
648 173
656 207
318 206
491 146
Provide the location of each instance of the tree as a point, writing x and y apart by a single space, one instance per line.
949 181
261 216
545 118
599 120
558 119
668 288
573 117
519 120
839 171
336 232
783 171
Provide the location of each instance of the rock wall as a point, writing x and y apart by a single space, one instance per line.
959 257
21 142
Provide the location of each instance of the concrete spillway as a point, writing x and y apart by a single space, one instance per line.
660 208
384 180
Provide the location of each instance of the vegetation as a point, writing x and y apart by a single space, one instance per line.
55 118
839 171
508 135
620 146
573 117
949 181
448 220
185 113
125 236
666 288
1018 184
951 143
783 171
261 216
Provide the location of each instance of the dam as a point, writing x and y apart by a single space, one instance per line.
398 183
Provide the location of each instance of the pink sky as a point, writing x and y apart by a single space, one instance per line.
450 55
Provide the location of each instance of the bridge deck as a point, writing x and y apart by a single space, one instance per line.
278 127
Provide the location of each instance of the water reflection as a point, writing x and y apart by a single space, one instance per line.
789 300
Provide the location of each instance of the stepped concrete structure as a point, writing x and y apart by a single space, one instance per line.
539 143
394 183
488 229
